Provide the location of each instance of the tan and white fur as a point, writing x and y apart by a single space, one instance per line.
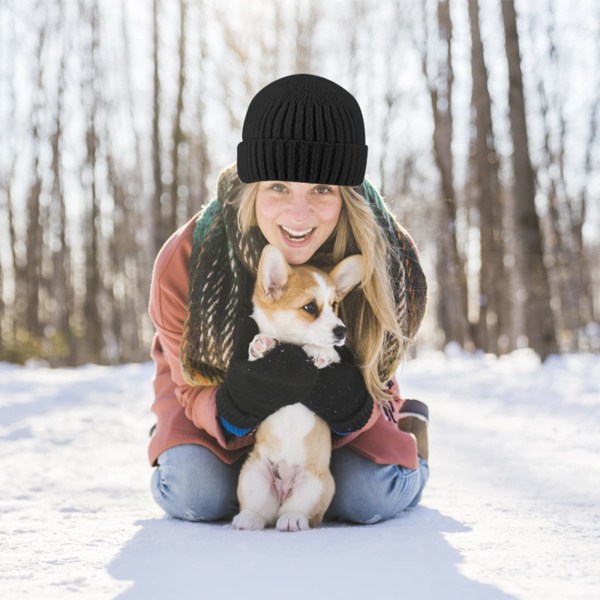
286 479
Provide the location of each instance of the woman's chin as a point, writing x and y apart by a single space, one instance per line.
298 252
297 256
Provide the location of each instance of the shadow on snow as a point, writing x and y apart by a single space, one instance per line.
406 557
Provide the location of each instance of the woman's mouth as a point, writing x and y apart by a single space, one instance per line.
296 235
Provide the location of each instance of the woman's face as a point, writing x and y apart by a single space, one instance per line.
297 217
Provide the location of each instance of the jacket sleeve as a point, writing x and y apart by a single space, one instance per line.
168 305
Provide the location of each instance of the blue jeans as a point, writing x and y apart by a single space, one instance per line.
191 483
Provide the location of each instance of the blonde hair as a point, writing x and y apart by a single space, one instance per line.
369 312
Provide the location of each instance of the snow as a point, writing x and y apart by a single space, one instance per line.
512 509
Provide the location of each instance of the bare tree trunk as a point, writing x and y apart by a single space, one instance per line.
450 270
2 312
539 321
178 135
125 282
158 227
199 166
92 320
277 28
61 291
558 263
20 299
33 266
578 210
358 12
578 217
10 314
494 310
117 255
306 24
392 98
561 254
141 253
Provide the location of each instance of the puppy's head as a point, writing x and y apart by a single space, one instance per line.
299 305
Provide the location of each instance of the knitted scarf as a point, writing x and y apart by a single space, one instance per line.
223 267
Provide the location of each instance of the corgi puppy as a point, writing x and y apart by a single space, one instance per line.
286 480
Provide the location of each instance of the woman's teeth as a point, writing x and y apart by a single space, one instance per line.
296 236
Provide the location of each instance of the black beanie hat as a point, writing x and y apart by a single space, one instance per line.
303 128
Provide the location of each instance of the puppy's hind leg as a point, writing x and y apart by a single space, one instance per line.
306 505
258 499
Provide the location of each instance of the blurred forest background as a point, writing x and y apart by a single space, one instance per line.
482 124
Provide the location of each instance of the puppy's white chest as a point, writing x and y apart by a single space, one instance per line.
286 430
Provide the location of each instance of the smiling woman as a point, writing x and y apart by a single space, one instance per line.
299 184
297 217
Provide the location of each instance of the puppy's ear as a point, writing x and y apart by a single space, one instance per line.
347 274
273 272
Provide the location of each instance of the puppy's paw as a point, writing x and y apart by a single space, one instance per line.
322 356
260 345
292 521
248 520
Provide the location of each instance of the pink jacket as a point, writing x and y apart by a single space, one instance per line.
188 415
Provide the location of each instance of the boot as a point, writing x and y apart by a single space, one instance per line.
414 418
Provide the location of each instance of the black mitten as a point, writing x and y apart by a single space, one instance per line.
340 397
252 390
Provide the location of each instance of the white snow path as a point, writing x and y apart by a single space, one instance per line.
512 509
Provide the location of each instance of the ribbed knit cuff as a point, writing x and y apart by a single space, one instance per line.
231 413
301 160
357 421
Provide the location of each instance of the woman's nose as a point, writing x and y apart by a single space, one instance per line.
299 207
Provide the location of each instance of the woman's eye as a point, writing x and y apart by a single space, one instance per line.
323 189
311 308
278 187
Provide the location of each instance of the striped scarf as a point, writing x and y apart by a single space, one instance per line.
223 267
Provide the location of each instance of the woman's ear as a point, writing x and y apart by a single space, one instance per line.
347 274
273 272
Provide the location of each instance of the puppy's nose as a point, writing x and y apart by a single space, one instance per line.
339 332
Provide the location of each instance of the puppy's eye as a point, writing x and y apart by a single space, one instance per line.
335 307
311 308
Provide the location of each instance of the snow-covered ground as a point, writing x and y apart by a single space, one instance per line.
512 509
